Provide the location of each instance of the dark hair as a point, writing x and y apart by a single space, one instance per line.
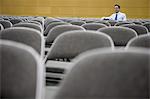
118 6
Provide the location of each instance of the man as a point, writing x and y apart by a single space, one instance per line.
117 16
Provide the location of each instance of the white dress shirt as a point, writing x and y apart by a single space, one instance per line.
120 16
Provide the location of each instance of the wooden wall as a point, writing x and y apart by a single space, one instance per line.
75 8
149 8
0 6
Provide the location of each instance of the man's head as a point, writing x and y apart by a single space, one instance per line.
117 8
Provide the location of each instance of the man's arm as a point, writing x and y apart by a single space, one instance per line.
110 17
124 17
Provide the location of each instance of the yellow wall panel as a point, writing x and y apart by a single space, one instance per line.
0 9
75 8
149 8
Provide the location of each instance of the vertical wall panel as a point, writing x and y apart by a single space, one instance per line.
76 8
0 6
149 8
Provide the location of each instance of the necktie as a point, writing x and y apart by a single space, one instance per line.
116 17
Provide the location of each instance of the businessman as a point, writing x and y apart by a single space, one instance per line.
117 16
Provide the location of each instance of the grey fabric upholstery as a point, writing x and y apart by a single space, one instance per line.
6 24
50 26
120 35
15 21
1 19
39 20
147 25
89 21
27 36
35 22
48 21
22 72
138 23
93 26
108 74
104 22
123 23
56 69
140 41
29 25
138 28
112 22
56 31
1 27
70 44
79 23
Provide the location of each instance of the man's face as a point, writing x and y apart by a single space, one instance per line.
117 9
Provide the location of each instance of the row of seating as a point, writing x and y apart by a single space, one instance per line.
74 51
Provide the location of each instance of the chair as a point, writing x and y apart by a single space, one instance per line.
79 23
107 74
1 19
52 25
93 26
112 22
140 41
147 25
39 20
29 25
6 24
15 21
56 31
48 21
138 23
1 27
123 23
103 22
138 28
22 72
70 44
30 37
120 35
35 22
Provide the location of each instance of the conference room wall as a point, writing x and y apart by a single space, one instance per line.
75 8
149 8
0 7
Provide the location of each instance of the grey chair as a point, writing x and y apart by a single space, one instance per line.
70 44
123 23
35 22
39 20
1 19
15 21
107 74
30 37
29 25
52 25
140 41
79 23
56 31
147 25
93 26
112 23
120 35
138 28
6 24
1 27
22 72
48 21
138 22
103 22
